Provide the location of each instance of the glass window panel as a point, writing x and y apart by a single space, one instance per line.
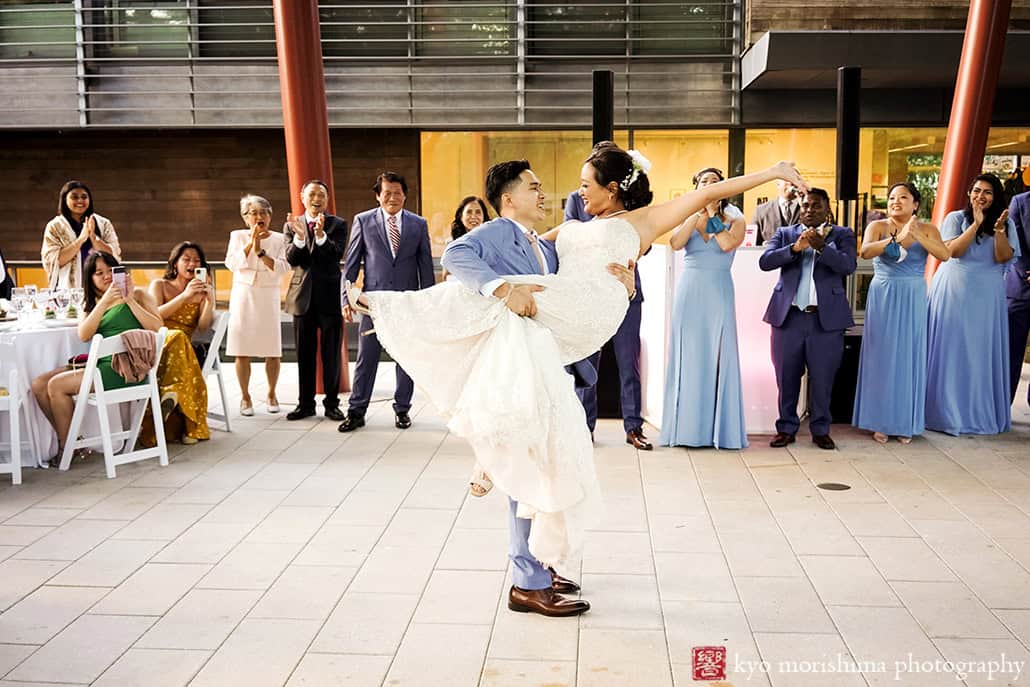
682 28
236 28
454 165
597 28
814 151
141 28
366 28
37 29
467 29
677 155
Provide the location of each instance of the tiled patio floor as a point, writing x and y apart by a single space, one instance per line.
287 553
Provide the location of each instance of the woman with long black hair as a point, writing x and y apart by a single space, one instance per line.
967 380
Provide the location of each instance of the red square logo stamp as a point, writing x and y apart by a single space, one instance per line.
709 662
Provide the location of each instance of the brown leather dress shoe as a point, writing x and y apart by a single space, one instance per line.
824 442
636 439
562 585
545 602
781 439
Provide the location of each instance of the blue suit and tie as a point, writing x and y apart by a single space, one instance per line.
808 324
477 259
626 344
1017 290
411 268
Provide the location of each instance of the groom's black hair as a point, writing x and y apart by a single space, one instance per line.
501 178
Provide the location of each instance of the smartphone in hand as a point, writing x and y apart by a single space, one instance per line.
118 278
201 274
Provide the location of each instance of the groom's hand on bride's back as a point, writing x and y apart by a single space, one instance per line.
625 275
520 299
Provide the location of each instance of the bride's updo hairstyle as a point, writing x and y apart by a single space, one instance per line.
613 164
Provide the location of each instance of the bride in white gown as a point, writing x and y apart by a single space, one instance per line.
497 377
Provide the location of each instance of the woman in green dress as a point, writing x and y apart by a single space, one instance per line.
107 311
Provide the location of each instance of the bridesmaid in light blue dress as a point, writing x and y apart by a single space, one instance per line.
891 395
967 385
703 401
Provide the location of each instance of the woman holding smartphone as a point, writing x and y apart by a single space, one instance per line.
186 303
109 309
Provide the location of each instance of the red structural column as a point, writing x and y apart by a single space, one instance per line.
971 109
298 41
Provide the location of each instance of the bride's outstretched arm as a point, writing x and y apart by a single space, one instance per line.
655 220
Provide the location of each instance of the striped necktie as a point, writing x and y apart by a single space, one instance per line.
395 233
531 235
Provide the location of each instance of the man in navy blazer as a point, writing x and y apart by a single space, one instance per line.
392 245
626 344
1017 290
809 312
479 259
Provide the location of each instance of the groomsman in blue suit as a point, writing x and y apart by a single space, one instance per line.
479 259
392 245
626 344
809 312
1017 290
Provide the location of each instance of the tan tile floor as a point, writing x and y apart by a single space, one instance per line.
289 554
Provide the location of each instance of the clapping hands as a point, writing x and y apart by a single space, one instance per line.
299 226
1001 226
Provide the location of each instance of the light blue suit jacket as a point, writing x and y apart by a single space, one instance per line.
499 248
493 250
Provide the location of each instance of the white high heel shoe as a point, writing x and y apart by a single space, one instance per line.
353 294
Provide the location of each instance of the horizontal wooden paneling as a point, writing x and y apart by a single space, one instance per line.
162 187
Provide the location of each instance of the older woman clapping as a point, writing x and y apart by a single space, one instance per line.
257 258
73 234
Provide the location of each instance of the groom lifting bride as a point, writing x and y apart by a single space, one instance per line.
525 307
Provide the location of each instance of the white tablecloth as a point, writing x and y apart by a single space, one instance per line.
33 352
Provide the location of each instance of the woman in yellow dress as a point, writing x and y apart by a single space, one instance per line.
186 304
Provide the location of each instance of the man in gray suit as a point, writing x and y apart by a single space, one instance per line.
781 211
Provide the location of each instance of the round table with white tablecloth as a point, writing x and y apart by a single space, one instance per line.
33 350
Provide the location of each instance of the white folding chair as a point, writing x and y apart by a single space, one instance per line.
213 366
93 393
11 404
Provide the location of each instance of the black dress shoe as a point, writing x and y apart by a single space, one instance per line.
403 421
351 423
334 414
823 441
636 439
781 439
300 413
545 602
562 585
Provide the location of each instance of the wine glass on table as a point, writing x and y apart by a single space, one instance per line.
63 298
19 301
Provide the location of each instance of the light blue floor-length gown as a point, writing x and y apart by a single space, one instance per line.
703 404
891 394
967 373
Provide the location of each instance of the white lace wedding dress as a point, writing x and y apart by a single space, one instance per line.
499 380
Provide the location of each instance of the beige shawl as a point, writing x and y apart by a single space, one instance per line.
57 235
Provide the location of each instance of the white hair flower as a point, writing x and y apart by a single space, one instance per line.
640 164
